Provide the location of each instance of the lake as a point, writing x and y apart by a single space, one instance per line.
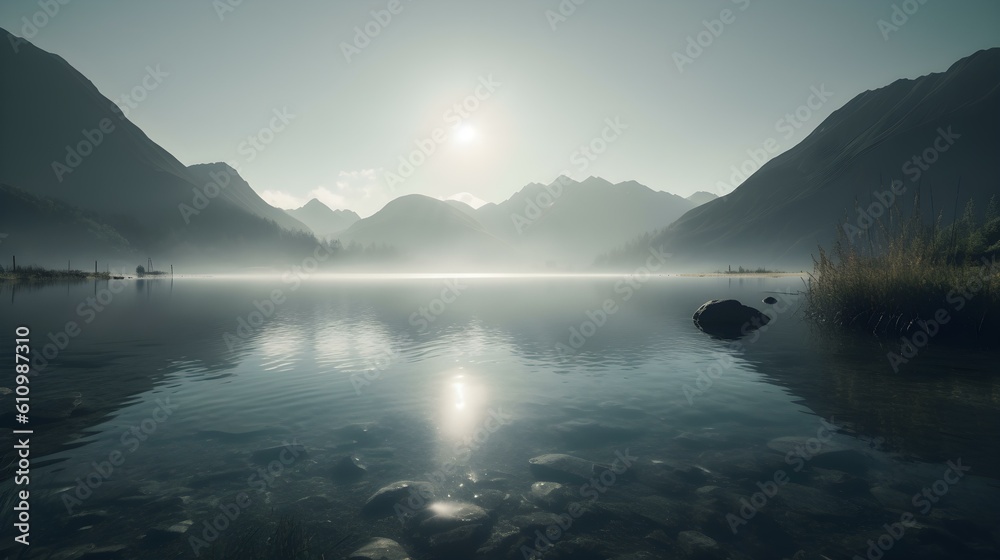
175 416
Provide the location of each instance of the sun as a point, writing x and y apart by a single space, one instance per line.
465 133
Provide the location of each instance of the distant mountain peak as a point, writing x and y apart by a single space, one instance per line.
701 197
563 180
315 203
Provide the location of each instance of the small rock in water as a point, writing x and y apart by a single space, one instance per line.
380 549
550 495
659 538
491 499
770 300
349 468
698 545
458 540
501 538
439 517
413 495
561 468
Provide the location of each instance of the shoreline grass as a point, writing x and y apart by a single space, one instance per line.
37 273
901 276
741 270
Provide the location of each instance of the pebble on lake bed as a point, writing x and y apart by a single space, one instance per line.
380 549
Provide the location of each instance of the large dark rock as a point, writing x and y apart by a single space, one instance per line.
728 318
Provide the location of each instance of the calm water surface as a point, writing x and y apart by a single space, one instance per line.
794 443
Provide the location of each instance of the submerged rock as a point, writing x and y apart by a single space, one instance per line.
551 495
558 467
698 545
501 539
445 516
458 540
349 468
452 528
728 318
380 549
492 500
413 495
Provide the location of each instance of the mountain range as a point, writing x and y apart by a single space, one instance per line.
79 181
936 135
323 221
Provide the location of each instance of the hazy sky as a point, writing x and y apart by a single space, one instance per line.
533 86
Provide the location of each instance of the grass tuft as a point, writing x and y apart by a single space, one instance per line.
902 272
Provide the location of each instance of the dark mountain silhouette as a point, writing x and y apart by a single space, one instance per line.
242 195
62 139
323 221
799 199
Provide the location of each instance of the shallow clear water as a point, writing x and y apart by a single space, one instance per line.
464 395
